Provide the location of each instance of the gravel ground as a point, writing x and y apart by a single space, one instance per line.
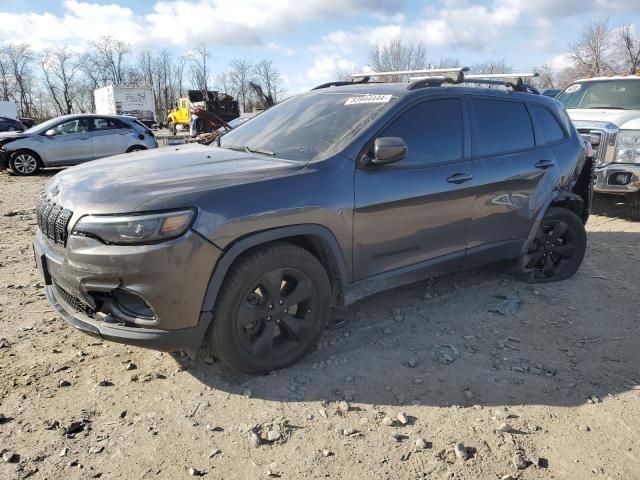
423 382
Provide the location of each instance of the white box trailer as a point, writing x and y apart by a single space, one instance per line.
8 110
136 102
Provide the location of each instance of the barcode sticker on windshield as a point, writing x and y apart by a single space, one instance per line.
368 99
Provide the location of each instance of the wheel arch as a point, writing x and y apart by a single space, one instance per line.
17 151
316 239
563 199
28 150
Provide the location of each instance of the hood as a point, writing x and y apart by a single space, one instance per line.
6 137
160 178
623 119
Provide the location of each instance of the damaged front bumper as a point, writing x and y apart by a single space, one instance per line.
618 178
91 285
4 159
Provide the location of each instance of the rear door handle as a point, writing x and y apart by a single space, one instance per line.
544 164
459 178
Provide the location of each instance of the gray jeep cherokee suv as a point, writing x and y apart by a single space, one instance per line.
330 196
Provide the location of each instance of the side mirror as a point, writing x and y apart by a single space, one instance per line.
388 150
50 133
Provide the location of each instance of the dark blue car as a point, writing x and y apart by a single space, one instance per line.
10 125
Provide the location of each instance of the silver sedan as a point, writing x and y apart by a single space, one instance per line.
72 139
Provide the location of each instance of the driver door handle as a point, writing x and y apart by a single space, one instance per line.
544 164
459 178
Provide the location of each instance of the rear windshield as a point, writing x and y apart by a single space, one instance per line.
614 94
308 127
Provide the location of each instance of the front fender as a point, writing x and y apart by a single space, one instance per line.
260 238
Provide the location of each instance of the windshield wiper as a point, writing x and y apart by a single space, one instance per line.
248 149
607 108
259 150
237 148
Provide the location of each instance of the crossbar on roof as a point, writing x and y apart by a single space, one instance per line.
425 72
488 76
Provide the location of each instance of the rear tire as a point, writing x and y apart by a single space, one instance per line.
271 310
633 206
557 249
24 163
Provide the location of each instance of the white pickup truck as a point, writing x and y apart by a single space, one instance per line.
606 112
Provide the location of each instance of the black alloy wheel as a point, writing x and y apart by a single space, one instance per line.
273 307
557 249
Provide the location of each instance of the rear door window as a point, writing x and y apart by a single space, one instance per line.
500 127
546 125
100 124
432 130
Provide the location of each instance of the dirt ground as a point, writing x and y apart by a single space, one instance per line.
553 389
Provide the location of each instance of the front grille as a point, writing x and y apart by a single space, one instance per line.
74 302
599 140
53 220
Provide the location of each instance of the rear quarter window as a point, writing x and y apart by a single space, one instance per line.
501 127
547 125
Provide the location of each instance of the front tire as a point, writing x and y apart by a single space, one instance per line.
557 249
24 163
633 206
136 148
271 310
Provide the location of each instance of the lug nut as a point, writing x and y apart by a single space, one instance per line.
281 301
270 307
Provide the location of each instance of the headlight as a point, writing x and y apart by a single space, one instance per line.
135 229
628 147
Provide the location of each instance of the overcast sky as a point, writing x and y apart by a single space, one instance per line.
309 40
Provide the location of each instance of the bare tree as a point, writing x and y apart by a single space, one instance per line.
7 83
491 66
447 62
396 55
591 53
268 77
240 74
547 77
223 83
59 68
19 60
343 75
177 77
146 66
110 55
199 68
629 49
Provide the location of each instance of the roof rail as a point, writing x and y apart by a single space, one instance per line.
425 72
341 83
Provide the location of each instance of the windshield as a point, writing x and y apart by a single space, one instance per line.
235 123
618 94
44 126
308 127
